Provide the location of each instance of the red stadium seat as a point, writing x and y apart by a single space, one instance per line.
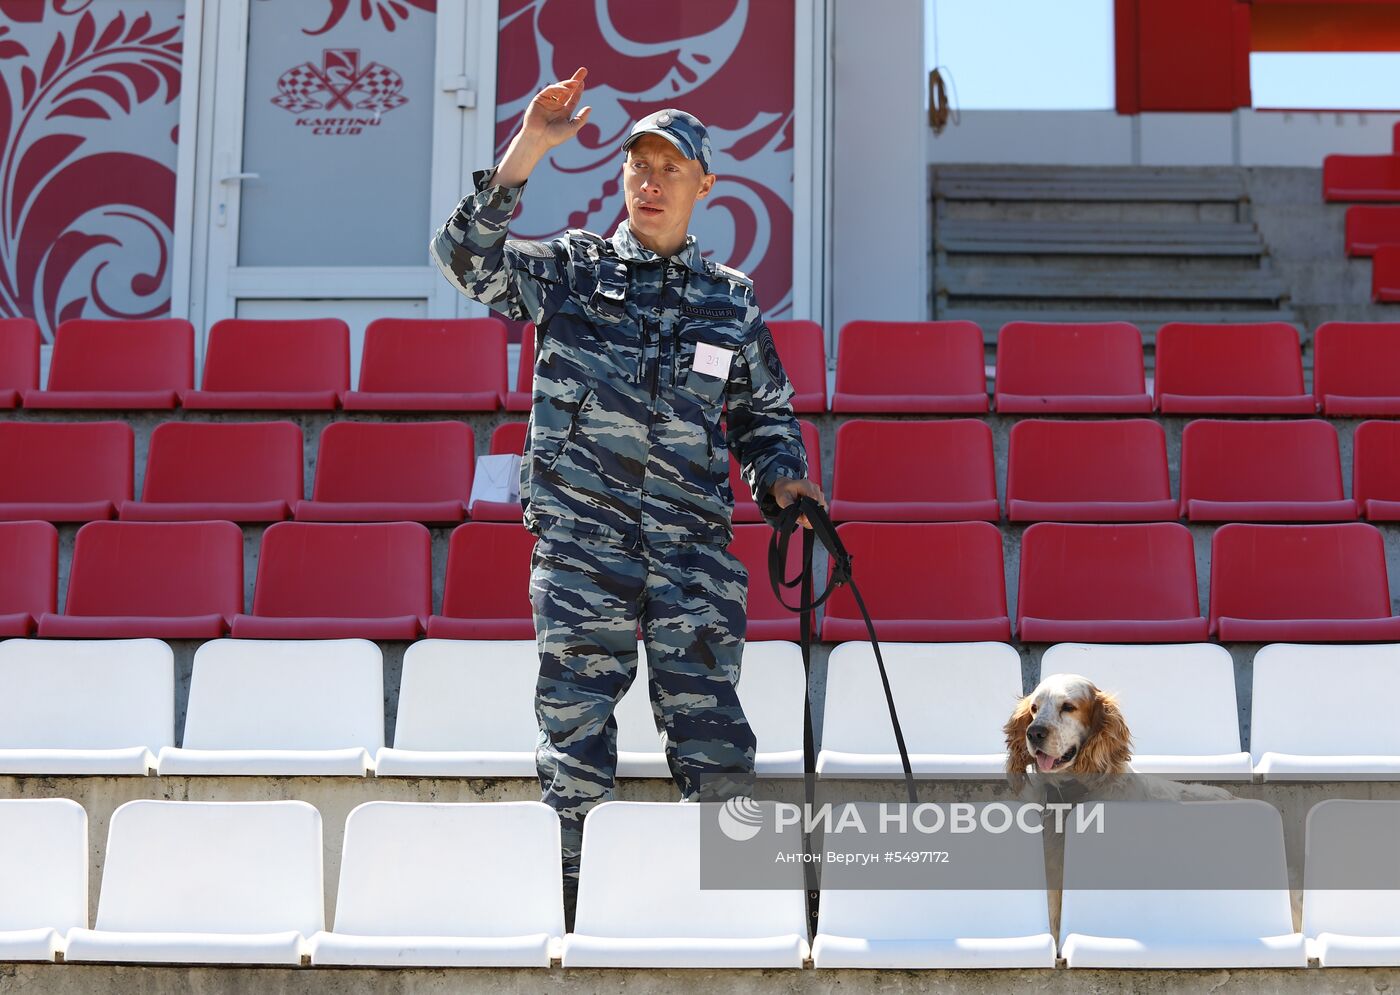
62 472
1361 178
371 581
1356 368
767 618
19 359
1370 227
167 580
1088 471
486 593
397 472
745 507
1108 584
914 471
508 439
262 365
910 366
118 365
519 399
413 364
802 349
198 471
1385 274
1395 139
28 575
1090 368
1375 470
1262 471
942 582
1231 370
1300 583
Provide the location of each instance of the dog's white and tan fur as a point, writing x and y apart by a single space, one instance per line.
1067 734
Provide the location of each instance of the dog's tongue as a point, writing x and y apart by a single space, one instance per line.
1044 761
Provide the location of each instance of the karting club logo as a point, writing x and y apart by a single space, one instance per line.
339 83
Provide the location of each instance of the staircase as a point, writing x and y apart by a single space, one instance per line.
1141 244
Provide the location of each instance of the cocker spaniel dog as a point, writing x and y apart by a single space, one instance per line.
1068 740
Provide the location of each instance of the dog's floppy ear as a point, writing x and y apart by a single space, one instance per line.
1018 758
1110 744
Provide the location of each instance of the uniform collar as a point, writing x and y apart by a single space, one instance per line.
625 244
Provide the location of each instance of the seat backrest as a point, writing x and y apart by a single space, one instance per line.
1176 699
1228 359
938 461
149 354
462 694
165 569
508 438
1348 863
488 571
87 694
66 461
224 461
1298 571
213 867
1191 871
1357 359
1375 461
668 900
256 694
942 570
278 355
1324 700
750 545
801 348
476 869
952 698
44 864
396 461
29 579
1260 461
1123 460
443 355
811 444
19 353
313 570
1137 571
1070 358
910 357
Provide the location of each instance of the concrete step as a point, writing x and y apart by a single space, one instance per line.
1148 320
970 236
1046 284
1087 184
1104 212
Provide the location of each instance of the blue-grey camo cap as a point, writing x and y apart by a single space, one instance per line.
682 130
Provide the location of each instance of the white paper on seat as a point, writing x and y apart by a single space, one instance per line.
497 478
352 761
107 946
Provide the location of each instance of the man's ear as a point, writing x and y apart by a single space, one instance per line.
705 186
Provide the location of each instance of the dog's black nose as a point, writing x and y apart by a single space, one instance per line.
1036 734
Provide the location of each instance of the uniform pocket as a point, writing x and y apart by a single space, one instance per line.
570 437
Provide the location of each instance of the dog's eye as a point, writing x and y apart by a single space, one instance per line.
1066 707
1033 708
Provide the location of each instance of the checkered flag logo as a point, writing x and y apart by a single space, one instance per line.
339 82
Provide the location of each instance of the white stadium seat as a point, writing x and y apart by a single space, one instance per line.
466 709
952 700
1323 712
1179 701
1134 921
1357 926
299 707
986 926
640 903
207 883
771 685
447 885
43 876
85 706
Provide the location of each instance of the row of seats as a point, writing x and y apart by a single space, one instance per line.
929 366
1371 230
98 707
1076 471
922 582
430 884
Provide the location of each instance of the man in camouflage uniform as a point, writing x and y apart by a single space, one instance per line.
640 343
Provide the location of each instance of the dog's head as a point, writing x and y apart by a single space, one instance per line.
1066 726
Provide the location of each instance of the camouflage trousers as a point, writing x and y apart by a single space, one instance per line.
588 597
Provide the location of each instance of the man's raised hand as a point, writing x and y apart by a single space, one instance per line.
550 118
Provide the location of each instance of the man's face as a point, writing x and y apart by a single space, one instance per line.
662 187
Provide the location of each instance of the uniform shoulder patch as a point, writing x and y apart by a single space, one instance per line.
540 250
730 273
769 350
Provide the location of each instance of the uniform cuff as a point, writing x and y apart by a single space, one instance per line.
767 503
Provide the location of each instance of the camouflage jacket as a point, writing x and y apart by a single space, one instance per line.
627 437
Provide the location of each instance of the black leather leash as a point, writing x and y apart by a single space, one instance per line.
822 529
